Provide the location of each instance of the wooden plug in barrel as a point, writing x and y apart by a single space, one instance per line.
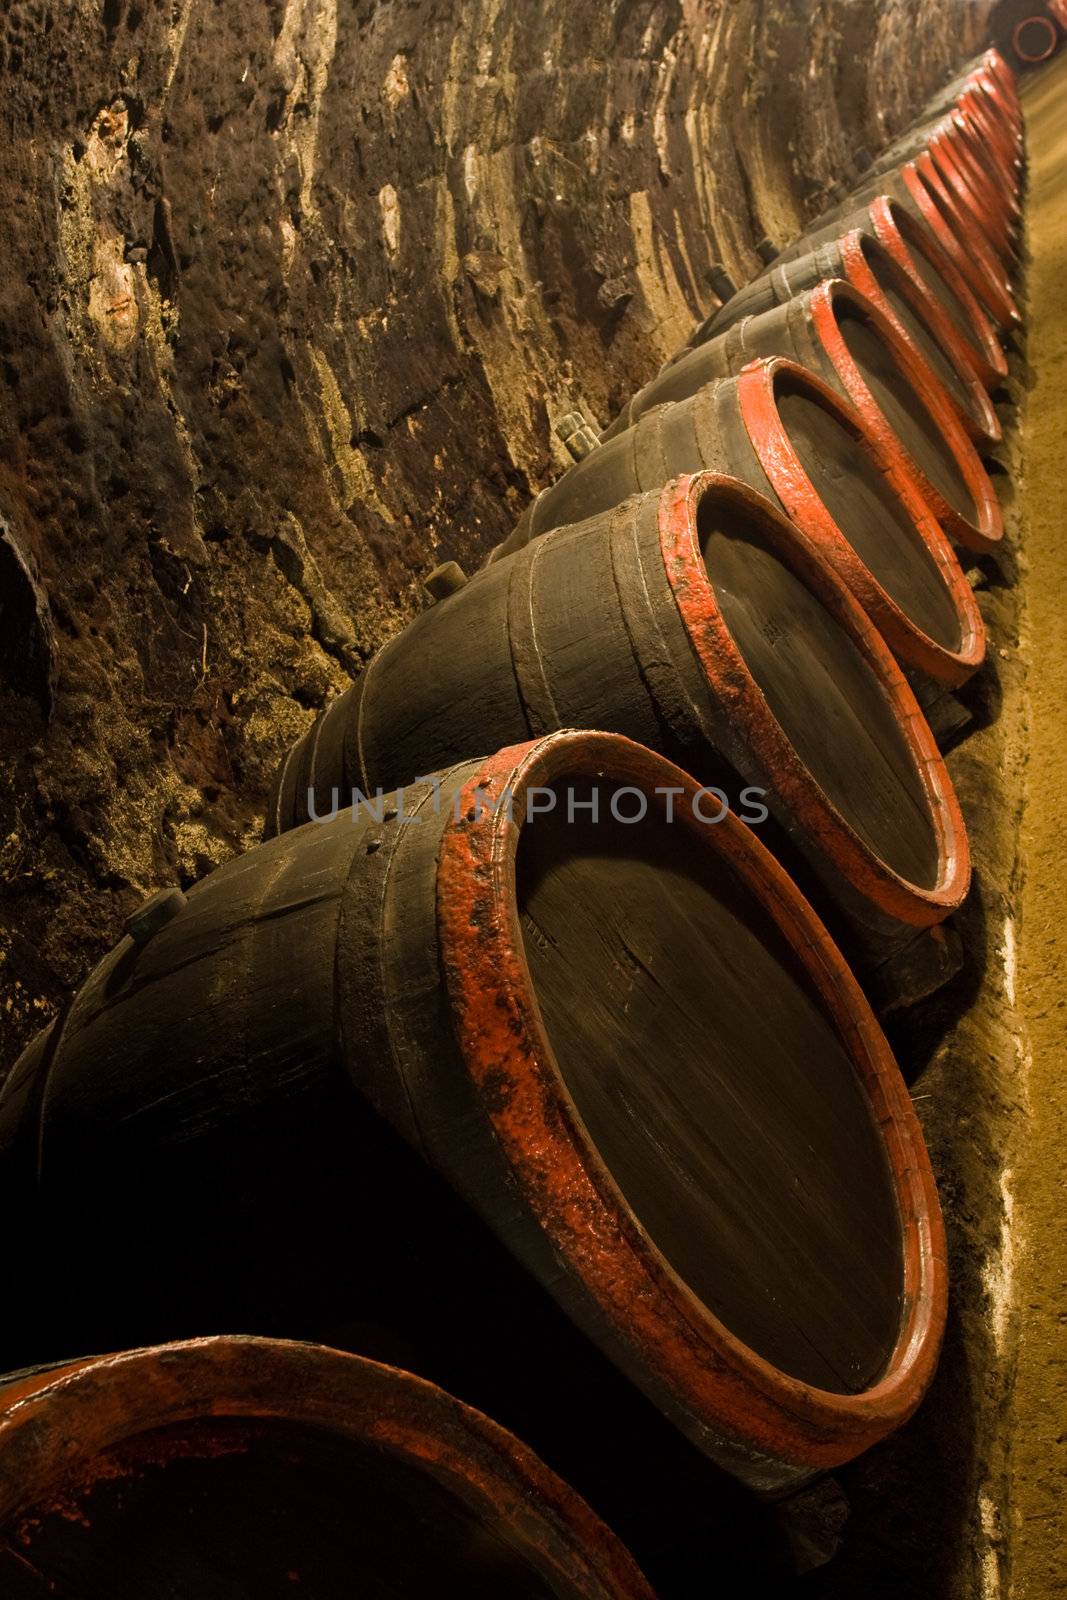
837 332
789 435
696 620
561 1089
228 1467
858 256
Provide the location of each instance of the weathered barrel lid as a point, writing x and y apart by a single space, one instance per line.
715 1384
916 904
59 1425
901 232
985 528
867 263
759 386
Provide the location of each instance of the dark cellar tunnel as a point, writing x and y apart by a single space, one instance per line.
531 684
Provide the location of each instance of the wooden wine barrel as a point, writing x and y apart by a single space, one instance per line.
920 183
788 434
995 211
913 246
917 186
695 620
228 1467
837 332
979 97
994 80
857 255
996 142
982 189
690 1181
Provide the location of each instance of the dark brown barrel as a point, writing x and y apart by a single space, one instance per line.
920 181
978 97
242 1466
788 434
662 1164
993 143
858 256
837 332
914 247
991 77
982 191
918 187
996 213
695 620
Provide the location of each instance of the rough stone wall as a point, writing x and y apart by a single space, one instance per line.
291 295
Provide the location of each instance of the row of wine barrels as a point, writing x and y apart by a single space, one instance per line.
977 187
694 620
536 1073
971 117
959 174
587 1120
963 330
788 434
840 334
858 256
918 187
240 1466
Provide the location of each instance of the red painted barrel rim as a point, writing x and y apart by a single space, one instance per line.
976 145
976 260
973 257
978 105
1003 74
901 234
980 97
988 529
994 210
758 387
972 200
56 1422
718 1381
736 688
1052 39
980 419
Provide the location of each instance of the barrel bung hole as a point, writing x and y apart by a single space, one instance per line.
713 1085
266 1510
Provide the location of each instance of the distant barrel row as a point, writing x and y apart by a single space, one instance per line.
528 1052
